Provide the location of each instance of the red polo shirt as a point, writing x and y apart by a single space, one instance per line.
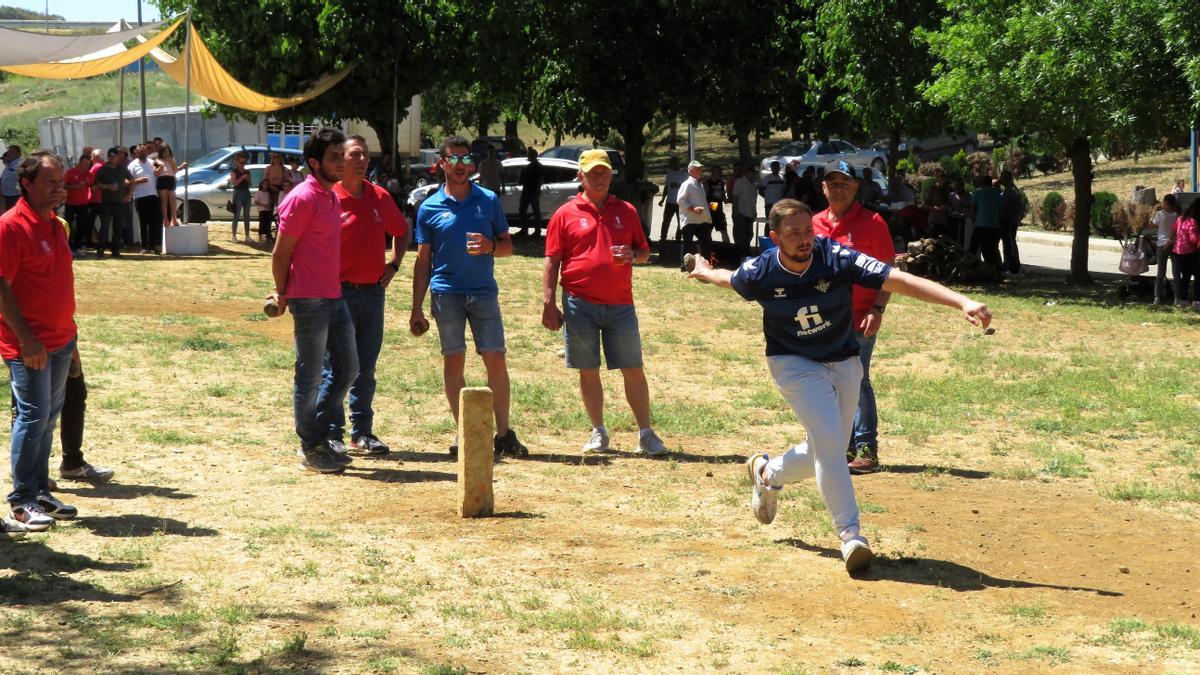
864 231
583 237
83 195
35 260
364 221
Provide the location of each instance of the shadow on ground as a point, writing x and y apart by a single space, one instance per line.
138 525
122 491
934 572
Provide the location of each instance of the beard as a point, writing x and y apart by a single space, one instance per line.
328 176
798 258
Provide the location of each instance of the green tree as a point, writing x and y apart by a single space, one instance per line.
867 56
1073 72
1178 22
281 46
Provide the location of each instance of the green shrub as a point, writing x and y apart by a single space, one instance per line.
1101 216
956 166
908 165
1000 157
1053 207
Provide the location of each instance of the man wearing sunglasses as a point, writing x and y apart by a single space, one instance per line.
460 229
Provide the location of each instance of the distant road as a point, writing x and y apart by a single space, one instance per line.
39 25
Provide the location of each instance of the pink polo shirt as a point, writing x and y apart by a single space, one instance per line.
313 215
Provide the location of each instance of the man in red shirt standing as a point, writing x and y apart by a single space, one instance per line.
37 334
79 181
593 241
848 223
368 214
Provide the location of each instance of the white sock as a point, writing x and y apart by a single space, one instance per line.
600 429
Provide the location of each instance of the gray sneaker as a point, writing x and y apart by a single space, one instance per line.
87 472
11 529
320 459
857 555
371 446
598 442
764 499
652 446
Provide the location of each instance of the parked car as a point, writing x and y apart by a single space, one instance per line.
826 153
560 182
424 169
572 152
216 165
506 147
207 201
935 147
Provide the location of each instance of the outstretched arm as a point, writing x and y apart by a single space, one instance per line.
705 272
930 291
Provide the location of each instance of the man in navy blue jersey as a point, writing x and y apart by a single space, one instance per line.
804 287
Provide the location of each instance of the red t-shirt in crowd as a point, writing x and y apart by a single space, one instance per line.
35 260
96 166
583 237
864 231
82 195
365 219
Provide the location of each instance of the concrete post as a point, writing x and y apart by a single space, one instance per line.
475 433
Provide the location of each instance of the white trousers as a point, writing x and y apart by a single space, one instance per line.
824 397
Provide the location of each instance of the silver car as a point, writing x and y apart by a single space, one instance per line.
560 182
207 201
826 153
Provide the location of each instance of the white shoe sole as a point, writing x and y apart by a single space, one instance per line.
764 518
859 559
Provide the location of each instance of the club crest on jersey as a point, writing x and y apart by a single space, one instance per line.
583 223
46 247
822 285
780 292
618 224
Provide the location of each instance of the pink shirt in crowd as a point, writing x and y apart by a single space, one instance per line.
313 215
1185 236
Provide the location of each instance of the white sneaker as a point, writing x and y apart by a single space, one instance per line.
764 499
55 508
11 529
598 442
651 445
31 516
857 555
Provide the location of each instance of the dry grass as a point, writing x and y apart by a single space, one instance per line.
1032 476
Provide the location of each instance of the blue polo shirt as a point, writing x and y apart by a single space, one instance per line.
443 222
810 314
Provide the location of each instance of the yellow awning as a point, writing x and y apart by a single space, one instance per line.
215 83
79 69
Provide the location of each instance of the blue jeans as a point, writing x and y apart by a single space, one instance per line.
321 324
241 207
866 419
366 313
40 395
586 325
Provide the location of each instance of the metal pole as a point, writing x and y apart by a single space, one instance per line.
395 119
691 142
1195 185
121 108
47 17
187 110
142 78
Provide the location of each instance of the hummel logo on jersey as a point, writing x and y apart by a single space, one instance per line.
822 285
780 292
808 317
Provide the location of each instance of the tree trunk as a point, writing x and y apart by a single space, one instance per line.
671 135
387 145
557 137
757 142
743 143
634 134
510 127
1081 170
893 156
795 130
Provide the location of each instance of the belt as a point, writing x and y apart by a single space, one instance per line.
351 284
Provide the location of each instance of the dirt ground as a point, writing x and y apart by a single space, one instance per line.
213 551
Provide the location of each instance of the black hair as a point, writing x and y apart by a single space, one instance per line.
1171 202
360 140
314 147
453 142
784 208
32 165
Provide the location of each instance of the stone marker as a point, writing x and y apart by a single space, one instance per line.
475 432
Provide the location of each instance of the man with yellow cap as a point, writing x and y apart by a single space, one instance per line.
592 242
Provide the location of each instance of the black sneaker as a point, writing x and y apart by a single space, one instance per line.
371 446
508 446
320 459
454 451
339 451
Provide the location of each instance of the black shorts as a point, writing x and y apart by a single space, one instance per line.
165 183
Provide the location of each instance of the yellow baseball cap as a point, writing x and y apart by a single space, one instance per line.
590 159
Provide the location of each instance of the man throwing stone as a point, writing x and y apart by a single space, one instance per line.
37 334
593 241
854 226
368 214
306 283
804 287
461 229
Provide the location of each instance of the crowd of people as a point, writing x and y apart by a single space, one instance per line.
1177 239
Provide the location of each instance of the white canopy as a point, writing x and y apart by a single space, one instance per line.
18 47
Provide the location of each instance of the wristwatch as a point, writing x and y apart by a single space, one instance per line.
395 265
880 308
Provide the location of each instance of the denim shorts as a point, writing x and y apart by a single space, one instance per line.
586 324
452 314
